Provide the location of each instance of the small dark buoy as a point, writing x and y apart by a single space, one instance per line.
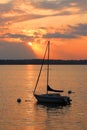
18 100
69 92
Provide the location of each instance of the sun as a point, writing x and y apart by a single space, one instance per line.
30 43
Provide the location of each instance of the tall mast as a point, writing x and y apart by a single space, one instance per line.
48 64
40 70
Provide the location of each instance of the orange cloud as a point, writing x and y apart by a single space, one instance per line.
62 22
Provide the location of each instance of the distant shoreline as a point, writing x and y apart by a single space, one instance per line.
39 62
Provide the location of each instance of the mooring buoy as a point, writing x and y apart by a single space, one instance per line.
19 100
70 92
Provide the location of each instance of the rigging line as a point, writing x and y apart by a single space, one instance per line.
40 70
48 64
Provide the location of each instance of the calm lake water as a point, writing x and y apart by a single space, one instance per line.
18 81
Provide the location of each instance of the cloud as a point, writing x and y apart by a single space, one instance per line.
70 32
11 50
5 7
76 31
20 11
79 30
59 35
21 36
61 5
17 11
24 10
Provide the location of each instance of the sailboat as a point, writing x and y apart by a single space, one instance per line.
52 95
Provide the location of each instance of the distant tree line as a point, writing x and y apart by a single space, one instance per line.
39 61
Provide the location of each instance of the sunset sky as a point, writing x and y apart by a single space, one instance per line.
27 25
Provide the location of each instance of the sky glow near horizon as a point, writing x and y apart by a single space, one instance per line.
63 22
